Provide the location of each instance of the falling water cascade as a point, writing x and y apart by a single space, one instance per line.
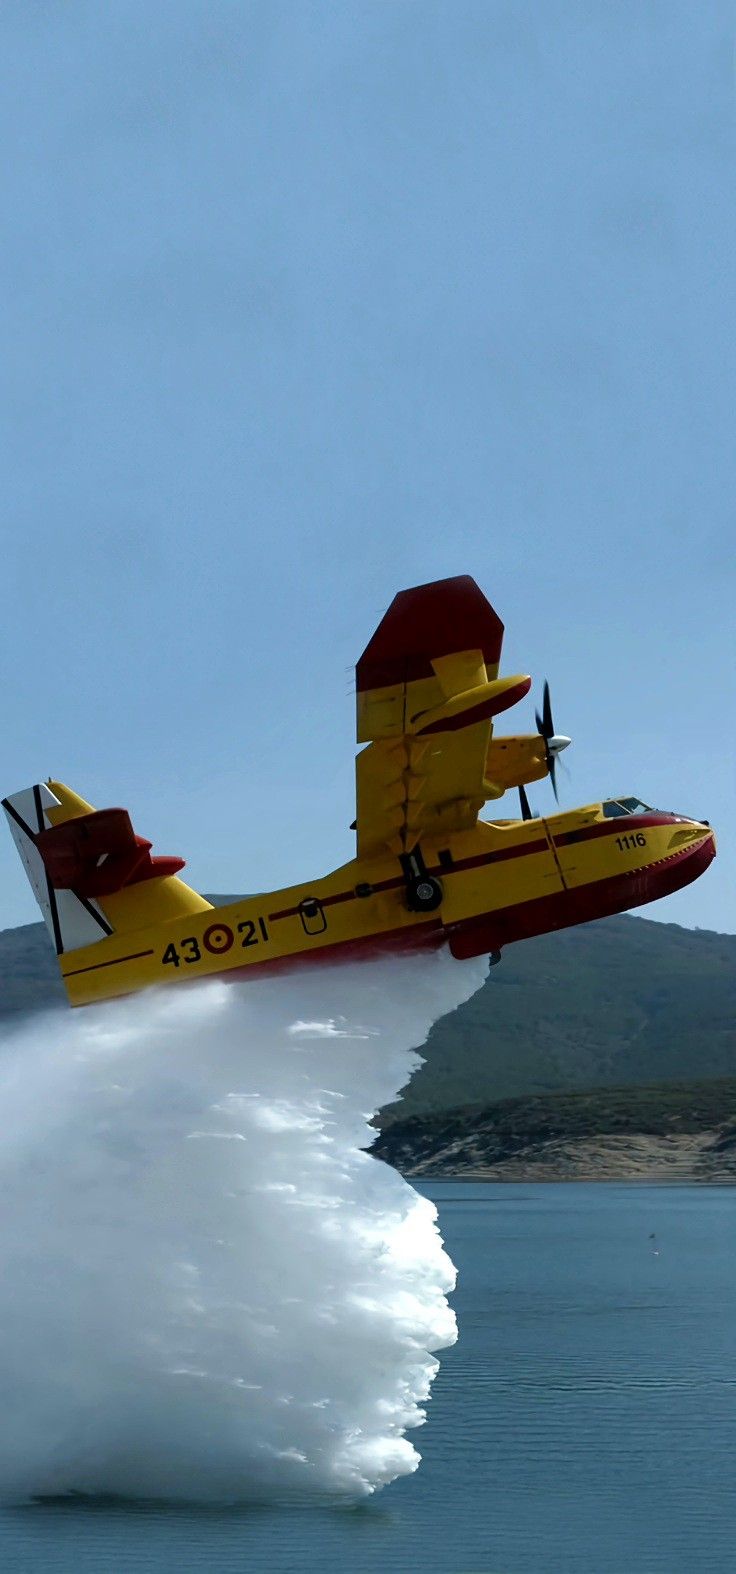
210 1290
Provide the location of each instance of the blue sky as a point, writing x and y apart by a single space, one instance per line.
304 303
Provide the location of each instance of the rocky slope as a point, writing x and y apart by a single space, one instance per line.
680 1132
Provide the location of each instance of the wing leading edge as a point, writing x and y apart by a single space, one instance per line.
427 691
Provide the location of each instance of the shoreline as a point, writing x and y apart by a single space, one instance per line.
705 1158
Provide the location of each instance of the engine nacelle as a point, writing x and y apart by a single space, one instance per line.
512 761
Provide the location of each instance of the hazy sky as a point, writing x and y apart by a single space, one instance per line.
305 302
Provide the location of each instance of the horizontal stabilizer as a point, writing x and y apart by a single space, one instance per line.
99 853
92 877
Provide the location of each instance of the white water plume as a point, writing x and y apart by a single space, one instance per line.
208 1290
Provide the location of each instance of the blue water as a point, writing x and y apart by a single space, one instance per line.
586 1420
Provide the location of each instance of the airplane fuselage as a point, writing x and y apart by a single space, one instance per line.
484 888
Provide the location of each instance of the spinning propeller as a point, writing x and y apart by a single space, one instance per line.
555 742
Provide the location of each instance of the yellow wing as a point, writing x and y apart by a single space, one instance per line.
427 689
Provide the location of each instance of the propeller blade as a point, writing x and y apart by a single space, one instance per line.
554 744
526 813
548 729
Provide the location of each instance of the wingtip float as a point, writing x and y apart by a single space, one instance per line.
427 870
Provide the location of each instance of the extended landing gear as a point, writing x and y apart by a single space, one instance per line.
423 895
423 892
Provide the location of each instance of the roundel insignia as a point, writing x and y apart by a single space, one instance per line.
217 938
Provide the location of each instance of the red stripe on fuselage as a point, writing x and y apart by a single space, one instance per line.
94 967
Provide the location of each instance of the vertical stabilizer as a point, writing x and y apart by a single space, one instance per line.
72 920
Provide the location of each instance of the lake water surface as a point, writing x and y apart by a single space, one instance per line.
584 1423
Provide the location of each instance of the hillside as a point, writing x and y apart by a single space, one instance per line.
622 1001
670 1131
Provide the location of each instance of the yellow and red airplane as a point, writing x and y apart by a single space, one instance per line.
427 870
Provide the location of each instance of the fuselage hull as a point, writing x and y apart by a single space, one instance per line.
499 883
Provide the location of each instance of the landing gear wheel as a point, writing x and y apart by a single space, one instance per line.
423 894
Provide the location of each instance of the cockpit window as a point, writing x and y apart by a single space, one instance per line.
620 806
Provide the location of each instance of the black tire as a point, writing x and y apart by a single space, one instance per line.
423 894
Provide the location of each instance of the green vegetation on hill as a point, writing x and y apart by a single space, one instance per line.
623 1001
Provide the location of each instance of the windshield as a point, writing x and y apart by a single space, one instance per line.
619 806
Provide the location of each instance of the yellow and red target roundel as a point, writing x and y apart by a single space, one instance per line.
217 938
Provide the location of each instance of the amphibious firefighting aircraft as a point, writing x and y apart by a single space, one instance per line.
427 870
